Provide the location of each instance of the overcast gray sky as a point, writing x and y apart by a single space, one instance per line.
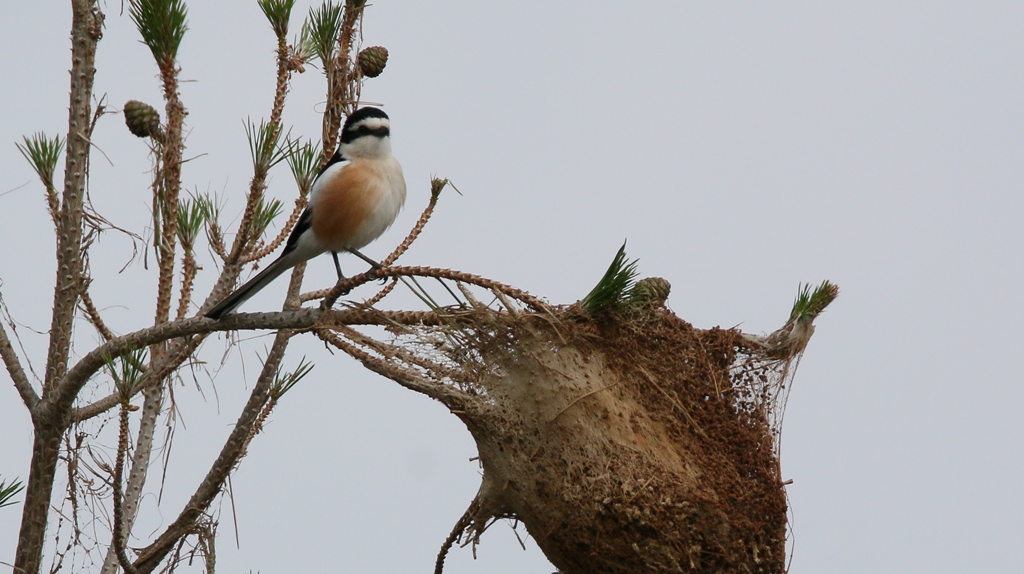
741 147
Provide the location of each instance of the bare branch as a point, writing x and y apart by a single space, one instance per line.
452 398
119 525
436 185
88 365
348 284
154 373
188 276
464 522
87 28
343 85
137 475
86 31
168 188
21 382
381 294
235 446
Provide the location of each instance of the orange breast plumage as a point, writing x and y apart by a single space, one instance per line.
356 203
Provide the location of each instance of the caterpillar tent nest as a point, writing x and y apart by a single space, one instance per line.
624 439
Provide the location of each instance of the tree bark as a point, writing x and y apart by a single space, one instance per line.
50 420
38 490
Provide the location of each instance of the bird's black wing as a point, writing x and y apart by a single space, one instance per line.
336 158
301 226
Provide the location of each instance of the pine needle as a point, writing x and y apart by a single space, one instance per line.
809 304
162 24
610 291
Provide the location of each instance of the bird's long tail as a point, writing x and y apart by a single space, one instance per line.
251 287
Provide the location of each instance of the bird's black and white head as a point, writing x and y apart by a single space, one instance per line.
366 134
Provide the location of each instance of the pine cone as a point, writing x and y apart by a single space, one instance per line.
372 61
142 119
652 290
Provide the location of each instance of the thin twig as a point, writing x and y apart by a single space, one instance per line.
155 373
94 315
300 204
119 533
449 396
460 527
188 276
391 352
140 465
380 294
378 273
420 224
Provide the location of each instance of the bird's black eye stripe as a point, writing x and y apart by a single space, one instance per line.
365 130
352 133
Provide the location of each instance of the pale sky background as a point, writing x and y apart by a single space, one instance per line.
741 147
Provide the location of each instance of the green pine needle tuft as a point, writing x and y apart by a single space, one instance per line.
285 381
190 221
42 153
809 304
609 294
304 161
278 12
128 371
322 28
209 206
264 145
162 24
9 491
266 212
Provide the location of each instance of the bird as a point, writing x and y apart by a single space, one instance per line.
354 199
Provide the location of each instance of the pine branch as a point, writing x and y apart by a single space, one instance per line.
14 369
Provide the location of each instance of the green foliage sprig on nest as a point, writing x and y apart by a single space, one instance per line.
809 304
610 292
